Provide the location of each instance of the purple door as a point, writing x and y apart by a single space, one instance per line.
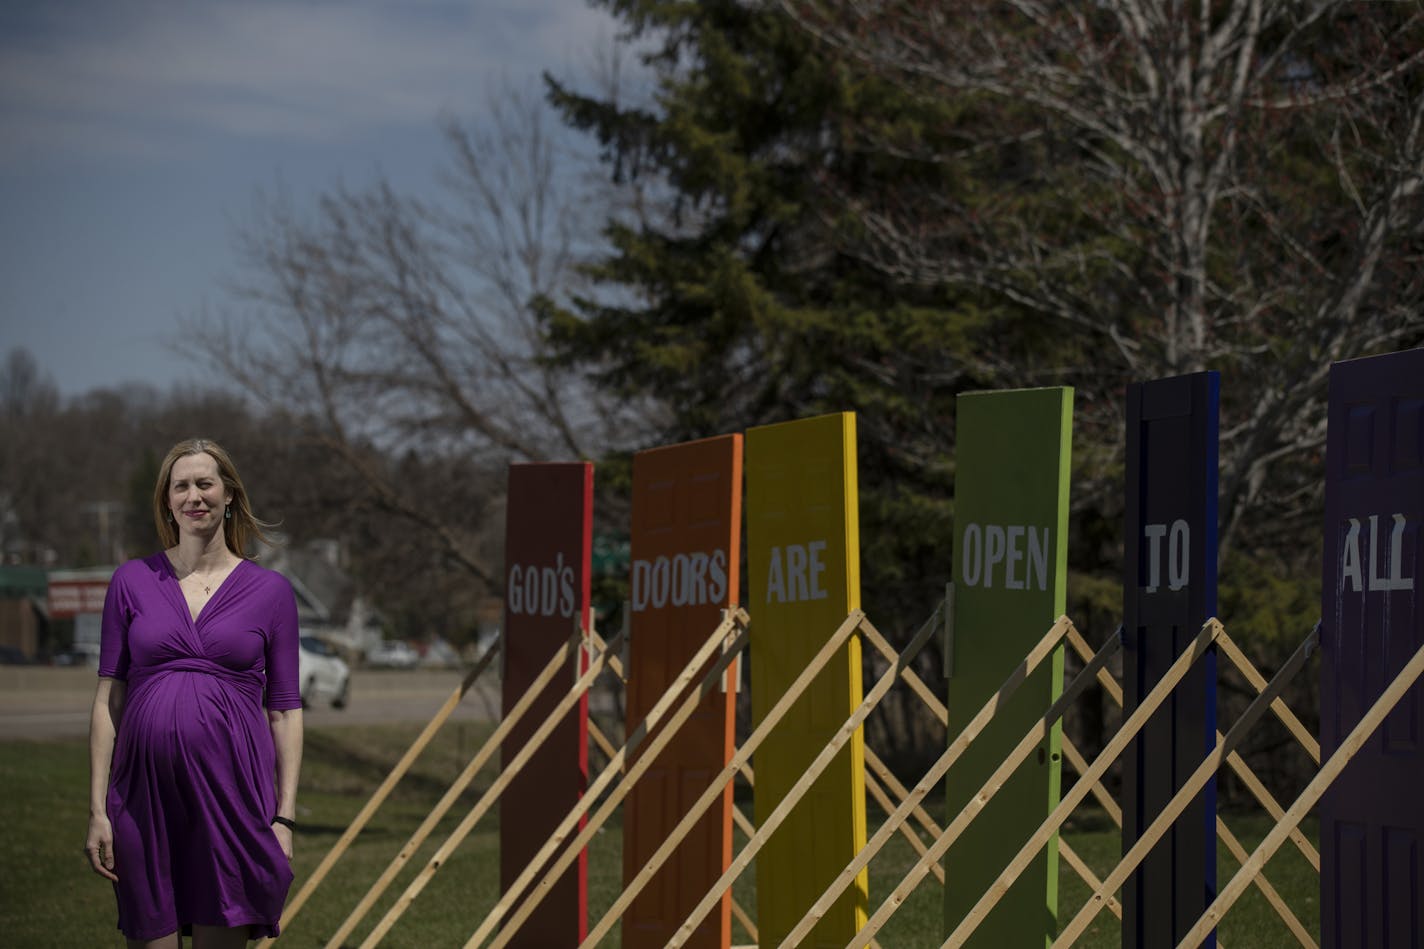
1372 818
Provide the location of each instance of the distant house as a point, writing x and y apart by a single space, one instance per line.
32 598
23 608
79 595
329 605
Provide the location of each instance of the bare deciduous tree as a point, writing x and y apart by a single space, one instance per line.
1228 184
393 327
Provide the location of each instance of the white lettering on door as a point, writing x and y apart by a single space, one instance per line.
1021 549
793 573
1352 560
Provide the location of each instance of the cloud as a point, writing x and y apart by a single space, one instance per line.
145 77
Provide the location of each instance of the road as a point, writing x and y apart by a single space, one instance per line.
39 702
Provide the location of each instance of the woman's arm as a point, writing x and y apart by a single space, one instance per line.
103 726
287 740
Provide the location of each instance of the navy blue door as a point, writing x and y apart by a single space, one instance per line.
1169 590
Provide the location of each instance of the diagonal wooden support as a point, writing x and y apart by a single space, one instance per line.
1036 656
803 784
774 715
1080 765
741 916
1283 712
737 619
882 798
1307 800
378 797
1070 857
1026 746
743 823
1080 789
452 794
1272 895
877 767
911 678
937 708
1085 652
1237 764
606 746
1268 801
601 740
1075 759
1184 796
1279 707
615 664
489 798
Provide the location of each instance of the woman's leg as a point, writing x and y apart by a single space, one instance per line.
169 941
219 937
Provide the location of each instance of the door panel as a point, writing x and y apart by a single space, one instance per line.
1371 820
548 545
804 578
686 542
1010 572
1169 590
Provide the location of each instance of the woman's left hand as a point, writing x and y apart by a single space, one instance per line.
284 838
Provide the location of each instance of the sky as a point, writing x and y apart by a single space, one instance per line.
135 136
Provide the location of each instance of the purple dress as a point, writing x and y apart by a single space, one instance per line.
192 789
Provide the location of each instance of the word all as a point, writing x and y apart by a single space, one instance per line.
1352 572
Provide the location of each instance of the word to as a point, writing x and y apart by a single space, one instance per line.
1179 552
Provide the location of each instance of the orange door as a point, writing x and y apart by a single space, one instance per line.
687 502
548 544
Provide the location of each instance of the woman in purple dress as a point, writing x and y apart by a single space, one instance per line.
193 790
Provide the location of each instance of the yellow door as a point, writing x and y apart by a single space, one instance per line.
803 570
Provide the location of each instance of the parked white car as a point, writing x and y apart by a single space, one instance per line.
324 674
392 654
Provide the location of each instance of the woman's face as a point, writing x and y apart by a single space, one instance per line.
196 494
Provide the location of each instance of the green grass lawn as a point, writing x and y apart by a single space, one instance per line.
49 897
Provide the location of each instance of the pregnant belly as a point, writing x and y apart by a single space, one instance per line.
187 715
195 754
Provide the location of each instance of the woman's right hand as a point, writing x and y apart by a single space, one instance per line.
99 847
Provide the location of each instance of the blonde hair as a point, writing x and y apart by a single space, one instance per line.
240 530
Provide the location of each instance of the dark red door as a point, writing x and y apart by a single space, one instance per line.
547 549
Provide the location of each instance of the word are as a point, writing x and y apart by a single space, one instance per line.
1351 569
680 580
541 591
793 573
1020 548
1179 552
